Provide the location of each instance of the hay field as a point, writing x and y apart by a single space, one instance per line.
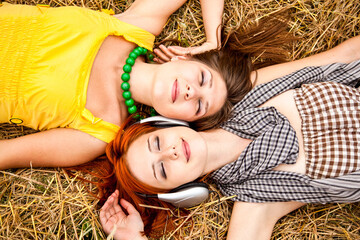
48 204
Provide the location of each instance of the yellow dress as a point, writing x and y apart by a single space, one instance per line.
46 55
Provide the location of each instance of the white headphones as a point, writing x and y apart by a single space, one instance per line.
188 194
160 121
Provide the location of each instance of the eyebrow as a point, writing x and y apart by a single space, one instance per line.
148 142
206 107
207 103
153 165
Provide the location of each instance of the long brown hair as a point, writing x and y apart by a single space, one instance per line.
243 50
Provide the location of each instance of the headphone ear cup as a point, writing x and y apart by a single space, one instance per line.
187 195
189 185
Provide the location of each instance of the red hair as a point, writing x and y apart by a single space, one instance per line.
113 173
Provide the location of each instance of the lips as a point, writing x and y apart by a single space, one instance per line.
175 91
186 149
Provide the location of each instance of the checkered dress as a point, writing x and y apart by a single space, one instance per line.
250 177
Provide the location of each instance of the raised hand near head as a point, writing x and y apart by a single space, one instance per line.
166 54
119 225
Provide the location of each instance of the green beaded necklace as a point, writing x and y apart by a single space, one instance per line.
125 77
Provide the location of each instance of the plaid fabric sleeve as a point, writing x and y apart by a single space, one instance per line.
280 186
276 186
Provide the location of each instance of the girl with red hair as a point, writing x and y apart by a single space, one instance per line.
114 175
278 151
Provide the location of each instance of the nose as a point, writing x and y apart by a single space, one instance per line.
171 153
190 92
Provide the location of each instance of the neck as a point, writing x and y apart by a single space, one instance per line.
223 148
141 81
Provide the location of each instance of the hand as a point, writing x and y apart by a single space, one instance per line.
166 54
116 223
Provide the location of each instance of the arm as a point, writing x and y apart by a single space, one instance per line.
117 224
345 52
255 221
58 147
212 12
150 15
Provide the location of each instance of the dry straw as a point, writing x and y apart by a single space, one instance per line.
48 204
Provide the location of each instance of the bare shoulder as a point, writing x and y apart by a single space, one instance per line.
152 21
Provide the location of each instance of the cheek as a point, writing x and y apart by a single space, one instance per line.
164 108
185 108
184 172
187 176
183 111
158 91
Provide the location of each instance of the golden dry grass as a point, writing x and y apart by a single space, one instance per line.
48 204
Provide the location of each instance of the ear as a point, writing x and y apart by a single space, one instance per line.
179 58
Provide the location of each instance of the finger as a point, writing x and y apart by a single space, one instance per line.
115 197
108 206
129 207
161 55
166 51
104 209
114 207
107 209
158 60
107 216
178 58
107 203
102 217
112 211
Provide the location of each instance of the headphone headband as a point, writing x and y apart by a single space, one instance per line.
160 121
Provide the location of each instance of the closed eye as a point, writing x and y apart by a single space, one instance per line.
199 107
202 79
163 173
157 142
